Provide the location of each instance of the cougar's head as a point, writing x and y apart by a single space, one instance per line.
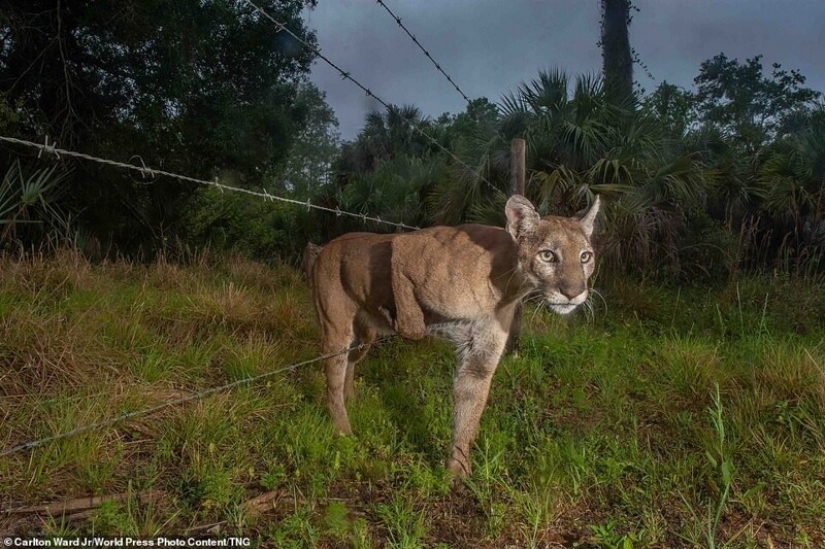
555 254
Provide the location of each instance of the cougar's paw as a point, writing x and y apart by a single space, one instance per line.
414 335
343 429
413 330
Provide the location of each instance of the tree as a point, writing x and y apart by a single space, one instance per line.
390 134
479 118
315 147
672 106
754 137
617 58
793 178
191 86
386 135
745 104
386 171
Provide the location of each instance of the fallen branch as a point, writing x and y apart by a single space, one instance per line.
84 504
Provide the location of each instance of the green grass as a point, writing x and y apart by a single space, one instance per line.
683 417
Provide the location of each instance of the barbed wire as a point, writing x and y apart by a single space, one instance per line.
152 172
423 49
346 75
144 170
434 62
194 396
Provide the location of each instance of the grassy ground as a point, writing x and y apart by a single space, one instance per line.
669 418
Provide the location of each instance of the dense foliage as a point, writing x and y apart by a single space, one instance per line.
189 86
700 183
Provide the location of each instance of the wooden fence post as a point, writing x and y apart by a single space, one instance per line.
517 175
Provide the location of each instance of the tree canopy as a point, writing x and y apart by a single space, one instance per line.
699 181
747 105
185 85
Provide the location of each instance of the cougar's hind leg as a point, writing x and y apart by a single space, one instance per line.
335 340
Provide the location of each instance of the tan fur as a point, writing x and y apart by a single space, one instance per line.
460 283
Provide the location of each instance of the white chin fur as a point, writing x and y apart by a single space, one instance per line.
563 309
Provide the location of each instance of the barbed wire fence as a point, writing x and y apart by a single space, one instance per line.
435 63
424 50
182 400
346 75
51 148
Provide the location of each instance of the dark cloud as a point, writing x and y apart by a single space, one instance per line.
490 46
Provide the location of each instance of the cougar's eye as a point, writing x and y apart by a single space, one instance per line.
587 256
548 256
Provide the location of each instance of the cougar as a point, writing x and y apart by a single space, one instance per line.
459 283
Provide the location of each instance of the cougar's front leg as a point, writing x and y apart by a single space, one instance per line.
409 318
477 363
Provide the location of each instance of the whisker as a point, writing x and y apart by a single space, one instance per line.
589 312
512 273
536 310
532 298
597 293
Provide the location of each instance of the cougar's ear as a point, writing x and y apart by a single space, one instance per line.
588 220
522 217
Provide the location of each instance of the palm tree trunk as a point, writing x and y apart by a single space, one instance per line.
617 60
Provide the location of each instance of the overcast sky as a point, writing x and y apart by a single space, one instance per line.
490 46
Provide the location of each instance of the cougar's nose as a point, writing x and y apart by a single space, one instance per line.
571 292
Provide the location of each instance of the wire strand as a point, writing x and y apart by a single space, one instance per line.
348 76
143 169
195 396
421 47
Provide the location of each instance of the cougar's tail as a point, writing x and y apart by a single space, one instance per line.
308 261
